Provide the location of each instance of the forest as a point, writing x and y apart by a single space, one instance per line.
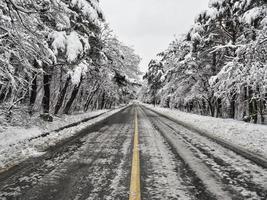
60 57
217 68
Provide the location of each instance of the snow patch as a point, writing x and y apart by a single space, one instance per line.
79 71
74 46
63 22
254 13
14 135
87 9
59 41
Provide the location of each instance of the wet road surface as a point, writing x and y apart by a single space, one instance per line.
175 163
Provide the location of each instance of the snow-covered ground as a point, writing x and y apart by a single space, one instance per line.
68 119
252 137
16 146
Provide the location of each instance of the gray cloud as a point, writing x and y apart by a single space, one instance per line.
150 25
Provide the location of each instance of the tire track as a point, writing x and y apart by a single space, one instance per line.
81 168
239 184
165 174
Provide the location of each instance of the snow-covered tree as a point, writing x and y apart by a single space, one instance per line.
154 78
54 58
219 66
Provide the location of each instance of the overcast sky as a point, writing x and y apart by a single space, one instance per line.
150 25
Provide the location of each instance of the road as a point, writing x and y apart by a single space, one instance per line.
136 154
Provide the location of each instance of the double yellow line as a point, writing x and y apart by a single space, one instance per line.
135 193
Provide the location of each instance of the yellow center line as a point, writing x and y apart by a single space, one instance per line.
135 193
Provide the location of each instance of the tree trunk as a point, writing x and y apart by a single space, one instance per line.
103 100
212 110
46 98
252 106
232 106
154 100
232 109
261 109
3 90
72 98
33 93
90 97
62 95
217 108
211 106
254 111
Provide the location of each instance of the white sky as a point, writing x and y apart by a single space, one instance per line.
150 25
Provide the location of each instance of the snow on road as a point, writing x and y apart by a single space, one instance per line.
15 146
222 172
159 167
93 165
175 162
252 137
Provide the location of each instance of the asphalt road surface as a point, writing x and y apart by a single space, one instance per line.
136 154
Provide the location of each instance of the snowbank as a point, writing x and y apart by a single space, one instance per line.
69 119
16 147
252 137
